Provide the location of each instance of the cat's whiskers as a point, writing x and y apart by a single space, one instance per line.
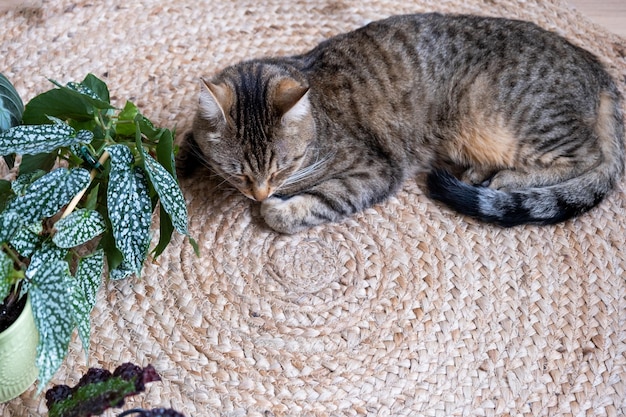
214 172
308 171
199 156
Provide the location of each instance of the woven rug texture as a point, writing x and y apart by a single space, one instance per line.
406 309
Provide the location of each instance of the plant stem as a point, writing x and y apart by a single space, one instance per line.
72 205
11 253
15 257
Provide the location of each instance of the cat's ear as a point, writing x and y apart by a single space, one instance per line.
291 99
215 100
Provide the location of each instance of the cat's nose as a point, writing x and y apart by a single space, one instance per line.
261 192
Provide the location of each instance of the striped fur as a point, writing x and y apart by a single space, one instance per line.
529 124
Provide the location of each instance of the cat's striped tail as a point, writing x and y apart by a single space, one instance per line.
542 205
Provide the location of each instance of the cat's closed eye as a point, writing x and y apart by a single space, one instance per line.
243 179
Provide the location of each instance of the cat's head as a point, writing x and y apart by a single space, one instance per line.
254 126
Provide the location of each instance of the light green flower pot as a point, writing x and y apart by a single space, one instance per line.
18 348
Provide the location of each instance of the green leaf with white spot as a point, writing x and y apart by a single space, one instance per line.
35 139
44 198
21 183
170 195
122 271
11 106
129 207
89 275
56 189
77 228
97 86
47 254
52 311
6 268
81 312
78 87
9 224
84 136
27 239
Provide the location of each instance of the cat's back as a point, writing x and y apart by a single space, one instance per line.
403 75
440 46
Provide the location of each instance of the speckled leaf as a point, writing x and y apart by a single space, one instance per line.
27 239
84 136
81 311
9 224
46 196
57 188
129 206
21 183
80 88
48 253
79 227
89 275
6 267
50 300
34 139
98 86
122 271
170 195
11 106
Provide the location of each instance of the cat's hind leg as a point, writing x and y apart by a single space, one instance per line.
509 179
547 170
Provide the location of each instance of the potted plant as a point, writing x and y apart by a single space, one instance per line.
87 179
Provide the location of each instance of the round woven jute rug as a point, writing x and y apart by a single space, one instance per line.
407 309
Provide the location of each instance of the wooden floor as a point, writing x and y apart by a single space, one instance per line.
608 13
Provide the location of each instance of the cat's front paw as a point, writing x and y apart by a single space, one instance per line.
286 215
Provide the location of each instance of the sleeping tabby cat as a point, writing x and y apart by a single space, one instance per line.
513 124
